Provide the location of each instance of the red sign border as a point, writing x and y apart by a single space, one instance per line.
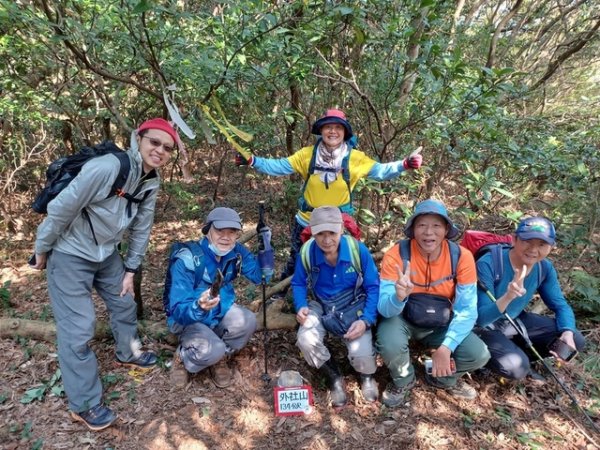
278 389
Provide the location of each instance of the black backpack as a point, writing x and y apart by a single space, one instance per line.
62 171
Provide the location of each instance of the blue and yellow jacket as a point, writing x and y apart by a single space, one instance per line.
336 193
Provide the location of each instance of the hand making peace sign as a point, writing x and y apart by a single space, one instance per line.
515 287
403 285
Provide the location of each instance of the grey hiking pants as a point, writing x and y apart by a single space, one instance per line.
310 340
70 283
201 347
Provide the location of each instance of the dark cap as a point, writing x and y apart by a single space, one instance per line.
536 228
222 218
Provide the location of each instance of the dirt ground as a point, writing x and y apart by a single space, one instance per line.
154 415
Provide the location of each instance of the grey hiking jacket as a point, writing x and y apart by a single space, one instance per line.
66 229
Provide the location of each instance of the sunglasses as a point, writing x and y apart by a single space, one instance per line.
157 143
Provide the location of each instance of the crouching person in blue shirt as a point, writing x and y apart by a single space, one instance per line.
200 299
342 279
513 280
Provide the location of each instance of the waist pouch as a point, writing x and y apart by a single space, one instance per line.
342 311
427 310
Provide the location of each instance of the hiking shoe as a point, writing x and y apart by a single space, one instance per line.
97 418
179 375
394 396
146 360
369 388
221 373
536 378
460 390
463 391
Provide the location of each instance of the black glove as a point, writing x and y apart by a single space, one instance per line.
240 160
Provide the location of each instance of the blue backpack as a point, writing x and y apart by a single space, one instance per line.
192 255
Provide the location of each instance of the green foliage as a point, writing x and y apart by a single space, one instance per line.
184 199
5 296
585 296
39 392
110 379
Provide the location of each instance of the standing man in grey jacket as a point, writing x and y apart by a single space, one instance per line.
77 243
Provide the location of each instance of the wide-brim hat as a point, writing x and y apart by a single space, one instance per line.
430 206
222 217
333 116
536 228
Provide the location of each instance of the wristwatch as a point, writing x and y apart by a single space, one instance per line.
128 270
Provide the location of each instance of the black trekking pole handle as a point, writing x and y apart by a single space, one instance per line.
539 357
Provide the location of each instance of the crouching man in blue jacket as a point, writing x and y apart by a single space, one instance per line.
201 308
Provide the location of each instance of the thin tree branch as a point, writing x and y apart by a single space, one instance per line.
498 30
82 57
574 46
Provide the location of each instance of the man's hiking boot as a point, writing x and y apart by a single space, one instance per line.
97 418
337 389
369 388
536 378
221 373
146 360
461 390
394 396
179 376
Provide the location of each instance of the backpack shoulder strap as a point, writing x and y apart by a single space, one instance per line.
346 172
302 203
305 255
125 167
454 257
354 253
404 249
497 252
542 271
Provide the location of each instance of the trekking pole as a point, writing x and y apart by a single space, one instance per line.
266 262
525 337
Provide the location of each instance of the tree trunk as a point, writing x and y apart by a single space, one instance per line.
46 331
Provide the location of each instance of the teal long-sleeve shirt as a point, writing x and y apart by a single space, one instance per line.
549 291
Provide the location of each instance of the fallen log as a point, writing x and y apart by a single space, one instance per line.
46 331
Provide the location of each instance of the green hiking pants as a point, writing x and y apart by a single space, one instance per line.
394 334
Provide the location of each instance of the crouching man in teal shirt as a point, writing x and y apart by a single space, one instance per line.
525 272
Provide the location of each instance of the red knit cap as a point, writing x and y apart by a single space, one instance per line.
162 125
